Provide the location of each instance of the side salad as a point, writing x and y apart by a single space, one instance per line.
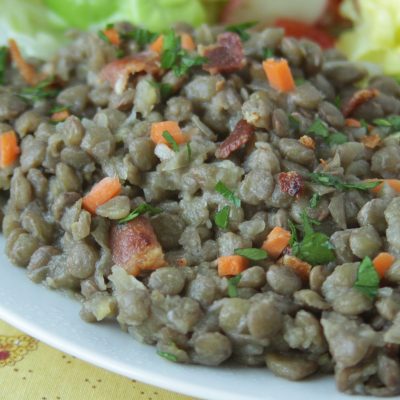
364 30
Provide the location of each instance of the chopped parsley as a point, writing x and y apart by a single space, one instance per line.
392 122
164 88
319 128
141 36
268 53
175 58
338 102
315 247
119 53
43 90
299 81
294 123
228 194
252 253
367 278
315 198
171 141
232 285
3 63
221 218
140 210
333 181
103 36
241 29
59 108
167 356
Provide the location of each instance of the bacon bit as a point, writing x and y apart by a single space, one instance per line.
113 36
307 141
371 141
26 70
181 262
135 247
358 98
290 183
353 123
60 116
118 72
302 268
225 56
240 135
324 163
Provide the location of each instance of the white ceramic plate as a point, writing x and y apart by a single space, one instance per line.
53 318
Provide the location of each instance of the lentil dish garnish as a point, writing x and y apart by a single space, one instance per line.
218 204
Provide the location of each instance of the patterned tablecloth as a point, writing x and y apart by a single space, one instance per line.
31 370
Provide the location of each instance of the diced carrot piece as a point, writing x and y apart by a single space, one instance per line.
232 265
302 268
100 193
60 116
393 183
276 241
187 42
371 141
9 149
382 262
26 70
353 123
279 74
172 127
113 36
157 45
307 141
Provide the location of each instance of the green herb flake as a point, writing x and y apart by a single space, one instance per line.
319 128
141 36
164 88
367 278
140 210
252 253
189 151
167 356
228 194
241 29
268 53
171 141
315 248
392 122
232 285
338 102
43 90
59 108
333 181
294 123
221 218
119 53
3 63
364 124
175 58
103 36
299 81
315 199
337 138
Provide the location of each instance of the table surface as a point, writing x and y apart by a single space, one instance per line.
31 370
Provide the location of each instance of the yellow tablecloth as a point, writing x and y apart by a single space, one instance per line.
30 370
